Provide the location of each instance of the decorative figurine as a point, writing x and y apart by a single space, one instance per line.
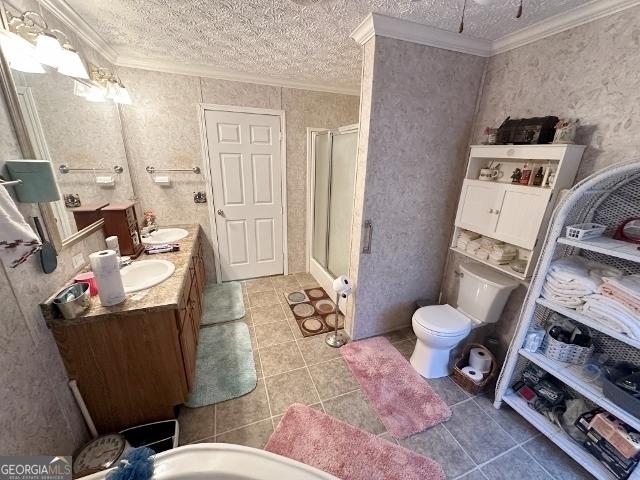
516 176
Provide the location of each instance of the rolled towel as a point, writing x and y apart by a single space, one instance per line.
490 242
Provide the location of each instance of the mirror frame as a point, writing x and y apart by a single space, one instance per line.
26 147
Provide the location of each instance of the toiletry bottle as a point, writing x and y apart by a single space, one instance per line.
537 180
526 175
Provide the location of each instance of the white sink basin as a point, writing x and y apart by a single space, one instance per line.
145 274
225 462
165 235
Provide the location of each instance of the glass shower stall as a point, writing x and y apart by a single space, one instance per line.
332 172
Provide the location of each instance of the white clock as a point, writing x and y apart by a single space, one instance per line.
100 453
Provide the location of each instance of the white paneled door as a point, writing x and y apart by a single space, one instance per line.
246 176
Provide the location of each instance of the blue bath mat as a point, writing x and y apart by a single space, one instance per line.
225 368
222 303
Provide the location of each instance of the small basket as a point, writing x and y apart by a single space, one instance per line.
566 352
464 381
585 231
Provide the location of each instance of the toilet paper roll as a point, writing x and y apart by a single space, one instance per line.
112 244
342 286
473 374
479 360
106 269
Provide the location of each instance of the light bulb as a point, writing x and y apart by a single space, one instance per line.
95 94
71 64
123 97
48 49
19 53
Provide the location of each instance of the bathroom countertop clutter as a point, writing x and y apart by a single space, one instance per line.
164 296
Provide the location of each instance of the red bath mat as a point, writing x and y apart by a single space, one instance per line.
316 439
403 400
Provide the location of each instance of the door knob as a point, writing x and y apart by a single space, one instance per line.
220 212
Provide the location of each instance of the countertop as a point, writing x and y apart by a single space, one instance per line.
164 296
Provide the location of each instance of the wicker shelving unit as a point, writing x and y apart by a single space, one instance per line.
608 197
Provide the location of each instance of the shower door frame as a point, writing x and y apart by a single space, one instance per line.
321 274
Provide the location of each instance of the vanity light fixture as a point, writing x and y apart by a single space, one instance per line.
20 54
34 43
48 49
110 84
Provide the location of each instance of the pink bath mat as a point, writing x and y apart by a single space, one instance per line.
403 400
316 439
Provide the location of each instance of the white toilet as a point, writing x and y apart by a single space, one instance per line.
482 295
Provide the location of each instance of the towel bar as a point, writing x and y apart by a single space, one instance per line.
153 170
66 169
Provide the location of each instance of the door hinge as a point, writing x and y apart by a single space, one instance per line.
280 136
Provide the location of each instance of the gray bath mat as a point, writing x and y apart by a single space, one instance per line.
222 303
225 368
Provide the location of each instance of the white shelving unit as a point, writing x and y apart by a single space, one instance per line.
561 439
608 197
511 212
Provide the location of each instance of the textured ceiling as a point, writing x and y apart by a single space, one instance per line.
280 39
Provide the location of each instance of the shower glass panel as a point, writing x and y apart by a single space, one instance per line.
321 197
343 172
335 166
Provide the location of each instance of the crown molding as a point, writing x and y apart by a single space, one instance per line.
80 27
384 26
391 27
207 71
575 17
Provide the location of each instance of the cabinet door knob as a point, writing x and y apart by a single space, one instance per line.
220 212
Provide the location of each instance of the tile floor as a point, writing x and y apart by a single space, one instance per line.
478 442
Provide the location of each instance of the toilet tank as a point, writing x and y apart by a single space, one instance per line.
483 292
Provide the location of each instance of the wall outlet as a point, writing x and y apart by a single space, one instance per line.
77 260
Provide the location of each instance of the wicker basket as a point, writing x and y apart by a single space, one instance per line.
585 231
566 352
464 381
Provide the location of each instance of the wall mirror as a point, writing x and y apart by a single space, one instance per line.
81 138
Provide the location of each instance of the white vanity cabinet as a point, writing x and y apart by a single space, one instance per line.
511 212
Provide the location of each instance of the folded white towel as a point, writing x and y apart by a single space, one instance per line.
613 314
490 242
473 246
585 273
567 288
564 300
482 253
629 284
469 235
463 242
18 241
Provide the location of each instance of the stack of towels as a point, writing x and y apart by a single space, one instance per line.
598 291
616 304
465 238
485 248
503 254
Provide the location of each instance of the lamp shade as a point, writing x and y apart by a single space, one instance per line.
48 49
71 64
38 180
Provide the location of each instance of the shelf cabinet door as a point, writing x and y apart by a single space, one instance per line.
520 214
478 201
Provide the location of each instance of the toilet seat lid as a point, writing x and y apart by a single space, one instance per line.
442 320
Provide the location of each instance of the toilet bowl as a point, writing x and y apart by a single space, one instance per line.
481 298
439 329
